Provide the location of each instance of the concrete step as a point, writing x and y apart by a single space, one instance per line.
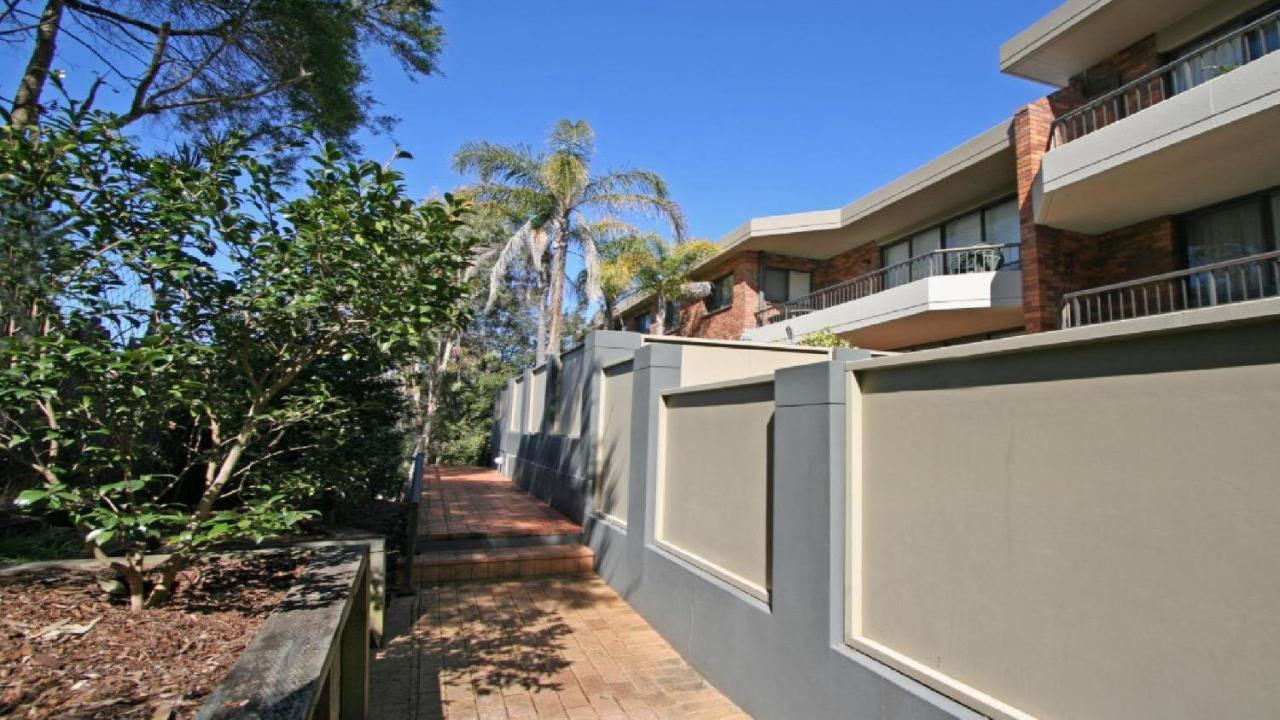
485 542
503 562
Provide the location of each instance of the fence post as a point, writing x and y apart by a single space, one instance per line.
657 368
353 655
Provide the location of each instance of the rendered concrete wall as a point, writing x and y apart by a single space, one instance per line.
515 420
784 657
558 467
536 415
1077 529
1080 523
570 383
713 484
703 363
613 470
555 456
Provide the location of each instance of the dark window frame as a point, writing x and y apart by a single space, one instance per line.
775 268
721 298
941 227
1191 46
1260 197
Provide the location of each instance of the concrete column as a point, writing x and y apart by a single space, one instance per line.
603 347
657 368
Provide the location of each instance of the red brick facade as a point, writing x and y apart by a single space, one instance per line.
846 265
1057 261
726 323
1125 66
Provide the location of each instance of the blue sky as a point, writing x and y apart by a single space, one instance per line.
747 108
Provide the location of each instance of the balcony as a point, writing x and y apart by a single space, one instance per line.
1188 134
1249 278
1211 60
944 294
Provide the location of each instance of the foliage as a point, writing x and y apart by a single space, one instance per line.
662 270
219 65
824 339
189 328
564 205
494 348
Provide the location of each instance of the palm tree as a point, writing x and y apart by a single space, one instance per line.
564 205
662 270
616 277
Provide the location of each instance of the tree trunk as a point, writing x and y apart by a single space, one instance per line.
561 247
659 324
610 322
431 404
540 351
137 590
26 101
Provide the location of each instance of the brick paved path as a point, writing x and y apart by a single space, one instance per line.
472 502
550 647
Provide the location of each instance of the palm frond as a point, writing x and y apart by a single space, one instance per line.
505 256
574 139
635 190
513 165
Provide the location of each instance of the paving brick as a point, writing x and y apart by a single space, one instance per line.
463 502
550 647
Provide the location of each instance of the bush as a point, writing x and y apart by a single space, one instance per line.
190 356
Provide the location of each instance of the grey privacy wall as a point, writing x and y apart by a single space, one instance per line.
547 431
1070 524
777 653
550 432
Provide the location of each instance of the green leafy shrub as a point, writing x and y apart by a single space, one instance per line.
190 356
824 339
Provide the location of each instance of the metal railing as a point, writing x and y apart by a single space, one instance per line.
1206 62
949 261
1248 278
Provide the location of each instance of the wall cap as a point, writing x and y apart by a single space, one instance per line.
1182 321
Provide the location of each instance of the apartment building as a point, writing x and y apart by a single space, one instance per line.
1147 182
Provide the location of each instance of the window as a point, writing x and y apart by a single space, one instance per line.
996 224
964 231
721 294
1200 64
783 285
644 323
1002 226
1230 231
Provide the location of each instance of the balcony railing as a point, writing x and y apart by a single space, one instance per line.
1206 62
1248 278
951 261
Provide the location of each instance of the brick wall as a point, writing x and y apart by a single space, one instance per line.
1125 66
1058 261
848 264
1039 297
726 323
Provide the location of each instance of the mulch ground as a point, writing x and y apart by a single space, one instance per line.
70 650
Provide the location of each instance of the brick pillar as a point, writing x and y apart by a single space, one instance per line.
1031 138
748 275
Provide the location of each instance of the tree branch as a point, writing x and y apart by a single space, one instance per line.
154 108
153 69
98 11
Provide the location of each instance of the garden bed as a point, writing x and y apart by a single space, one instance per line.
70 650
